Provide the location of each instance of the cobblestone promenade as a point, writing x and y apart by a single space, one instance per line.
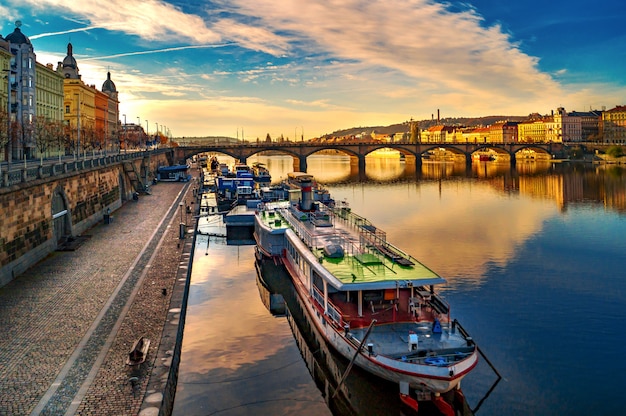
67 324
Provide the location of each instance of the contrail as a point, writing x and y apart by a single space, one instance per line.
64 32
178 48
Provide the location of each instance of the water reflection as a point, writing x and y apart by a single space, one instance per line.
236 358
564 183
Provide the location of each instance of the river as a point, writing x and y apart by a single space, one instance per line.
534 261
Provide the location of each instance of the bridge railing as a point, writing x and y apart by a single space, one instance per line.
17 172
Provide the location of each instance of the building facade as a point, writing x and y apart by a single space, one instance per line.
562 127
111 114
590 122
5 121
532 130
47 112
91 116
22 96
614 125
503 132
48 123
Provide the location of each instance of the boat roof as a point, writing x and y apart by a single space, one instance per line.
369 262
175 168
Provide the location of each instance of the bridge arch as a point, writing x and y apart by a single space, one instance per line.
500 153
522 150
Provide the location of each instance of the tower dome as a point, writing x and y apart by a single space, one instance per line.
108 86
69 65
17 37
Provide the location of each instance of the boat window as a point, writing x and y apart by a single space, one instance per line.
318 282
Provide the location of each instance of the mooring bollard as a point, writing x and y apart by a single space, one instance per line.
107 216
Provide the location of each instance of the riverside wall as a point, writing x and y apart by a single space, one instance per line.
38 216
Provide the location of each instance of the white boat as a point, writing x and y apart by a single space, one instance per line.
372 302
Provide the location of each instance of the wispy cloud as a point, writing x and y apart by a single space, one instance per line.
420 39
159 21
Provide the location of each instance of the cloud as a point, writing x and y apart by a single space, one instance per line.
159 21
420 40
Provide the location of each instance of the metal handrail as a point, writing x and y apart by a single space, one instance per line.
18 172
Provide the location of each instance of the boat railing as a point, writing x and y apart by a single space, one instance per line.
369 234
315 241
331 309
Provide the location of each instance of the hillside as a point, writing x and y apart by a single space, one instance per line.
424 124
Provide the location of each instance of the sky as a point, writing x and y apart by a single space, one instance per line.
304 68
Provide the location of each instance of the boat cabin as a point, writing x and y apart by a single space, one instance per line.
176 173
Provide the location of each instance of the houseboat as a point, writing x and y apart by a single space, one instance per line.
373 303
176 173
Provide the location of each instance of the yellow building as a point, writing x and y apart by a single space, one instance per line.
614 125
503 132
79 107
91 116
532 130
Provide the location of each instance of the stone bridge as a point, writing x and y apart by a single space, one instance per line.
359 150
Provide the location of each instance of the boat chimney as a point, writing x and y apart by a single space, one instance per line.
306 185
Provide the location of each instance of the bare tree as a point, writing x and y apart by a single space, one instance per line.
44 135
5 132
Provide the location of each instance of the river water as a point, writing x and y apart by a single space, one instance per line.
534 260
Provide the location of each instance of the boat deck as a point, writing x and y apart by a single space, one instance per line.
367 257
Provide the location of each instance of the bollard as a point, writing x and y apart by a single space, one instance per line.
107 216
183 231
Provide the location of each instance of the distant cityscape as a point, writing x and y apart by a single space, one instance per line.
47 111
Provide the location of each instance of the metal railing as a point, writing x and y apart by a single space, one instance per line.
19 172
331 311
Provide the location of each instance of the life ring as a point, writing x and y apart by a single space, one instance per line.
435 361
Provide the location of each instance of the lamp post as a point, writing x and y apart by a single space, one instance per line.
182 227
147 134
9 147
77 123
138 126
125 134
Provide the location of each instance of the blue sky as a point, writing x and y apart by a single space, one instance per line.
246 68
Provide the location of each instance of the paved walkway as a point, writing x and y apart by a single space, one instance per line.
68 323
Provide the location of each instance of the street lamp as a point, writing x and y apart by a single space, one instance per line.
78 123
147 135
9 147
125 134
138 126
182 229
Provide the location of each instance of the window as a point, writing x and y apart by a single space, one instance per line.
67 109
